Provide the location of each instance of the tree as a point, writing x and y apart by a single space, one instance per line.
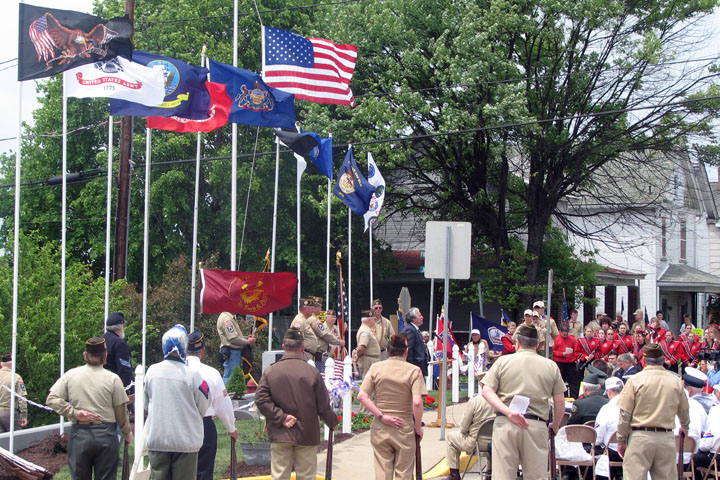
546 94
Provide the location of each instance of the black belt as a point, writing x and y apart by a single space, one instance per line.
527 416
653 429
95 424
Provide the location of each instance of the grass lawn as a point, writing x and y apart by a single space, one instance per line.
222 460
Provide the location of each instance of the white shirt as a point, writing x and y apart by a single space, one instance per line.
698 424
606 422
220 403
710 441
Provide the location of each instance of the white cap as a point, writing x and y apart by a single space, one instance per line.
474 331
539 304
528 312
613 382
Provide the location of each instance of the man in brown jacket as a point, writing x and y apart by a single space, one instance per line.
291 396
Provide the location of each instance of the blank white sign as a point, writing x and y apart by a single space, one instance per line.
436 246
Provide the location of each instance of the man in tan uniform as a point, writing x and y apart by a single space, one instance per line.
20 405
477 412
302 323
368 347
232 337
383 328
94 400
648 405
521 438
328 334
398 387
543 320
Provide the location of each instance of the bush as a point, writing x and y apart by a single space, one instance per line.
237 383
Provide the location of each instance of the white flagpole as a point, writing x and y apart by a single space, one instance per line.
193 276
16 265
371 261
233 154
63 235
146 240
349 280
327 242
297 228
108 225
274 230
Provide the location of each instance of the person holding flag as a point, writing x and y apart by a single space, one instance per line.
331 349
232 341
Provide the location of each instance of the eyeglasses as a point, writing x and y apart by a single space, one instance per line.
377 308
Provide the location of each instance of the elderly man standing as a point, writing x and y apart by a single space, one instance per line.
6 380
303 323
176 398
95 401
118 353
233 340
383 328
520 435
648 405
291 396
368 347
418 353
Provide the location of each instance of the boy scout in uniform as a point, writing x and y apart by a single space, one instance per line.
368 348
398 387
522 439
232 337
94 400
302 323
329 334
648 405
383 328
5 400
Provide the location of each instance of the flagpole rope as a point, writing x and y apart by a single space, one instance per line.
247 198
258 13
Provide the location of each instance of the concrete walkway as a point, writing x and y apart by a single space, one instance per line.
353 458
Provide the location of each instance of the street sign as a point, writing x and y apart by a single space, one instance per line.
436 248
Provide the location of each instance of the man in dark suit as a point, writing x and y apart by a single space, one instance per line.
417 350
626 364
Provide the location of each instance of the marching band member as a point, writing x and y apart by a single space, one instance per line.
623 340
585 348
606 344
669 346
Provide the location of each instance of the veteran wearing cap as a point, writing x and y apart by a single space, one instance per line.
586 409
463 440
325 336
522 438
368 347
95 401
330 339
694 382
302 323
398 387
543 322
6 379
292 395
220 406
232 340
606 424
118 352
648 405
383 328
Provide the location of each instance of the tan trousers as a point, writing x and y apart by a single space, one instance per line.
456 444
394 449
650 452
513 446
364 364
282 456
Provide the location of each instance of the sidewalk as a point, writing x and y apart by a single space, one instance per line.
353 458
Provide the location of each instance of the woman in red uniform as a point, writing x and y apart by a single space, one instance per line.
623 340
586 348
669 347
639 347
605 344
687 350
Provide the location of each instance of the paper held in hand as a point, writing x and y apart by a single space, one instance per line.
519 404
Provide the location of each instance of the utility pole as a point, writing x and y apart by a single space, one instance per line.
122 223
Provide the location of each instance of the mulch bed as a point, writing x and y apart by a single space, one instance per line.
50 454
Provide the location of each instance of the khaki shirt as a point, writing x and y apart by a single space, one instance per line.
229 332
310 339
554 332
652 398
366 337
394 382
94 389
326 336
526 373
479 410
6 380
383 330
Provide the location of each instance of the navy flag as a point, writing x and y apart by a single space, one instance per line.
51 41
565 310
310 145
186 95
352 187
490 331
254 103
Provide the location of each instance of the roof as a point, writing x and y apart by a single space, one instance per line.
682 277
615 276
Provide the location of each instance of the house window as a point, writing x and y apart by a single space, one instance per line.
683 240
663 241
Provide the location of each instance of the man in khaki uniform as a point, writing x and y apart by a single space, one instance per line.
648 405
20 405
383 328
522 438
94 400
232 337
477 412
543 320
531 320
302 323
329 335
368 347
398 387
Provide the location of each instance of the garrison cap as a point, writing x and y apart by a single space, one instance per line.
196 341
526 331
376 302
116 318
329 311
307 302
653 350
592 378
95 345
6 357
293 334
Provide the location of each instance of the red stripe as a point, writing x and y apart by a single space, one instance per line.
318 75
334 61
310 88
334 101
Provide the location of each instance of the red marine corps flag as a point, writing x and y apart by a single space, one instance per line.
246 293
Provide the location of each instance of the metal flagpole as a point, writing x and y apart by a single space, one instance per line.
349 279
274 230
63 239
16 265
146 240
196 209
233 154
327 242
371 262
108 219
301 164
432 303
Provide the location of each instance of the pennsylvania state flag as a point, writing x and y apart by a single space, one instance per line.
352 187
185 92
254 103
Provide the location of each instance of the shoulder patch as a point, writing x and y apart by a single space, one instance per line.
229 327
22 386
204 388
320 327
363 334
574 408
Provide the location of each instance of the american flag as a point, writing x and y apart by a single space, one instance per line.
313 69
44 46
342 308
